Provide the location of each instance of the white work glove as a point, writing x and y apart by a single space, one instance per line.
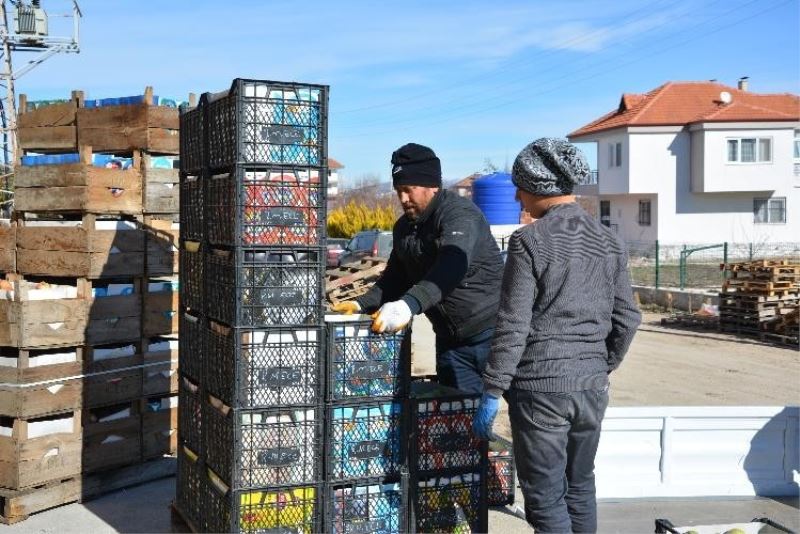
391 317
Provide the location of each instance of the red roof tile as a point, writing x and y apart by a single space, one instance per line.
681 103
333 164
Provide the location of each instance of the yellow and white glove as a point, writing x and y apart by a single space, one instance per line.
391 317
347 307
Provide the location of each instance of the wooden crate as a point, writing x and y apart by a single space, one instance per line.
160 371
111 436
160 309
111 388
22 366
130 127
162 247
161 188
8 246
79 187
41 398
17 505
111 357
33 316
49 128
91 248
115 319
36 451
159 426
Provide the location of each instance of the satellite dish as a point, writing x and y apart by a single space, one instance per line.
725 97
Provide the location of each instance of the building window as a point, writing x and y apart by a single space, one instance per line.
644 213
605 212
769 210
615 155
750 150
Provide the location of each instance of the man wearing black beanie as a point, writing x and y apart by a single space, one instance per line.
445 264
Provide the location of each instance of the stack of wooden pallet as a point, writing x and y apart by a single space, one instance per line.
353 279
761 298
88 302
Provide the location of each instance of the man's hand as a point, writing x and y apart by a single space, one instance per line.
392 317
347 307
484 417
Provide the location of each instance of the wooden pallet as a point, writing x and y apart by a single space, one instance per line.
18 505
704 322
352 280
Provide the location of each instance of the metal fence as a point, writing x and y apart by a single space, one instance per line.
697 266
656 264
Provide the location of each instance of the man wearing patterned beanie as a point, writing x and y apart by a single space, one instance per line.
566 319
445 264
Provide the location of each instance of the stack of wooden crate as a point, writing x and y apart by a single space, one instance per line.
761 298
88 303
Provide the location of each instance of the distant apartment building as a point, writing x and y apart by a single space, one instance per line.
698 162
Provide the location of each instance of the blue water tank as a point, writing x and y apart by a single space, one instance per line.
494 195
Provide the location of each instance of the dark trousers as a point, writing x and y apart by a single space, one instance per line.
460 365
555 443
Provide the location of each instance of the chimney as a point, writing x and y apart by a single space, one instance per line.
743 83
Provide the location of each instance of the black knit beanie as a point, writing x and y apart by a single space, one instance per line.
414 164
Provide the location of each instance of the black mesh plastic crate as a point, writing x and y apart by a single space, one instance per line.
364 439
276 367
501 479
191 275
192 205
441 429
189 486
192 141
259 448
191 346
289 509
362 364
266 206
449 502
267 287
366 507
267 122
190 415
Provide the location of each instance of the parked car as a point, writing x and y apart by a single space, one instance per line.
335 249
365 244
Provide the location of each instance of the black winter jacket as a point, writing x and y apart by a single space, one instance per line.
449 262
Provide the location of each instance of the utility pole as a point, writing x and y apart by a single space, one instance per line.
28 33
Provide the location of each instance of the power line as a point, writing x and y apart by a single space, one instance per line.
581 79
469 101
558 47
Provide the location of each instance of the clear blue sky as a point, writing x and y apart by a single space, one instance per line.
473 80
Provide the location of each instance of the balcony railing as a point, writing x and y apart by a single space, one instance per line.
589 180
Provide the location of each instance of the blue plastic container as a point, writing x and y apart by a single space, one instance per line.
494 195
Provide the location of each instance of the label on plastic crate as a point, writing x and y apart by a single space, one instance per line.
283 296
370 370
367 449
281 135
367 508
276 377
279 457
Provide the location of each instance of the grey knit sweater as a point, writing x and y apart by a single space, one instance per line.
567 314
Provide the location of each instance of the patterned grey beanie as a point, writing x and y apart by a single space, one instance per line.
549 167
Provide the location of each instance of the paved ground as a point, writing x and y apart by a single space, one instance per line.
663 368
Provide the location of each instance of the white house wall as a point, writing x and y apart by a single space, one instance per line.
661 163
612 180
625 217
721 176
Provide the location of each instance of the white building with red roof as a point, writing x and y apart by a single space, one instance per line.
699 162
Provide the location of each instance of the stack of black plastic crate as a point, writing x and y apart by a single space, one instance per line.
448 465
367 384
253 193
